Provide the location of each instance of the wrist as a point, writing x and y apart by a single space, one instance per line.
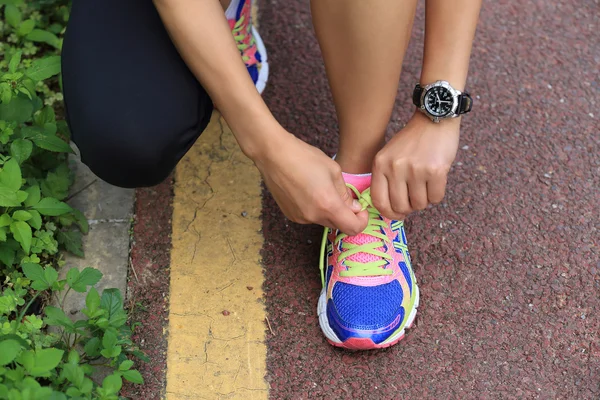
253 126
444 124
260 138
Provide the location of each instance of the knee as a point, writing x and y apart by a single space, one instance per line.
127 157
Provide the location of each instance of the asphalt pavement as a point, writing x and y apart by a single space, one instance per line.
508 265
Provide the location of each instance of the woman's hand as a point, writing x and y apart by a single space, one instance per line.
308 186
410 172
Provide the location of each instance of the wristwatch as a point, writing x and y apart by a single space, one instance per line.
439 100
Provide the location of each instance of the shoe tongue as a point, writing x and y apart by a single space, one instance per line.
361 182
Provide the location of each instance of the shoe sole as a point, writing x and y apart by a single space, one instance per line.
263 74
361 343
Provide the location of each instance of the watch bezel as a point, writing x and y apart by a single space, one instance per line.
455 94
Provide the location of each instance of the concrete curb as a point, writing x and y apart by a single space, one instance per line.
109 211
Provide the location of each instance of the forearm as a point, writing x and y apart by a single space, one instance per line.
202 36
449 32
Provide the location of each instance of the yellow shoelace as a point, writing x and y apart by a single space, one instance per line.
356 268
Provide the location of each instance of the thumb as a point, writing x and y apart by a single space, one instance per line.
347 195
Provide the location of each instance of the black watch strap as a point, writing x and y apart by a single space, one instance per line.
465 103
417 95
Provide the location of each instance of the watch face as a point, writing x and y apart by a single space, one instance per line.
438 101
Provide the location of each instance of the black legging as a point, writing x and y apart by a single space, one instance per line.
133 106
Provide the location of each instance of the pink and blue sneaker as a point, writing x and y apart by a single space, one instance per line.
370 294
251 46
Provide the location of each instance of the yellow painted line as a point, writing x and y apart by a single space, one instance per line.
215 270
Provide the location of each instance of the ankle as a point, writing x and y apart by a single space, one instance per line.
357 158
357 164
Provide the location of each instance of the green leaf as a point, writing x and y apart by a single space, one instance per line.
133 376
40 285
92 347
73 357
6 95
50 275
50 128
112 301
22 233
81 221
5 220
42 36
57 182
3 232
74 373
72 391
52 207
72 242
63 129
34 196
125 365
56 317
17 338
26 92
26 27
14 62
10 176
92 300
8 197
21 215
36 220
86 386
102 323
32 271
118 319
72 276
87 277
7 255
22 196
51 143
21 149
45 361
112 384
44 280
8 351
112 352
44 68
44 116
19 109
109 340
12 15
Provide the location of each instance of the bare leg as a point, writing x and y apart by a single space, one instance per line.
363 45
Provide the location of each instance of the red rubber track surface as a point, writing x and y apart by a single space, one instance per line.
508 265
148 286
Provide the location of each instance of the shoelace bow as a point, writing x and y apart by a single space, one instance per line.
240 33
357 268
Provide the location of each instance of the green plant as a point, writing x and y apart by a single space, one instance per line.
35 364
35 175
34 28
43 353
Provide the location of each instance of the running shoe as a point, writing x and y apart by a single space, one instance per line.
251 46
370 294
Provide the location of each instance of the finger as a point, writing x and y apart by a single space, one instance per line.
347 194
436 189
417 194
340 209
351 202
381 197
399 197
348 222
